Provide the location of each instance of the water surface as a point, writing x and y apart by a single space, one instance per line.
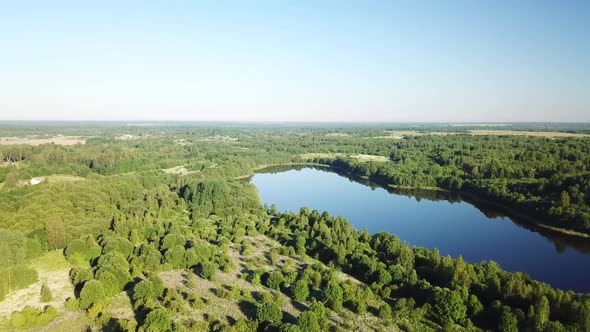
434 220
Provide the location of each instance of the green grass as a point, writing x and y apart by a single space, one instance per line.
51 261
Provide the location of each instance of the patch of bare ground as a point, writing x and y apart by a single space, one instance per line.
59 140
547 134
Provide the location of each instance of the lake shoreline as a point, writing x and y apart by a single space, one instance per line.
475 198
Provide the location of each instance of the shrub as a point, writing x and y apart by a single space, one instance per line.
175 257
147 291
384 311
31 318
333 295
110 283
301 290
92 292
72 304
158 320
208 270
269 312
320 311
308 322
46 295
275 280
448 305
79 275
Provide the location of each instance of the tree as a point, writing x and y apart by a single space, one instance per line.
92 292
301 290
564 199
542 311
158 320
333 295
308 322
320 311
110 283
175 256
147 290
46 295
269 312
208 270
275 280
55 230
508 321
384 311
448 306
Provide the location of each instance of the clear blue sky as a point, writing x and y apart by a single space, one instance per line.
357 60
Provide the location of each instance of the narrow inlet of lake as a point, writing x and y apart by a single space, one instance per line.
455 227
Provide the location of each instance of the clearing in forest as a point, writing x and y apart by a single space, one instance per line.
59 140
547 134
53 269
360 157
180 170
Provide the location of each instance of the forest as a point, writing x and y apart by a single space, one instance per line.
156 229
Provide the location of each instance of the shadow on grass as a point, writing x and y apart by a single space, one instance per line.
248 309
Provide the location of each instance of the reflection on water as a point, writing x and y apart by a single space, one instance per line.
455 224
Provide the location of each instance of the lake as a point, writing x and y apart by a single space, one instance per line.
434 220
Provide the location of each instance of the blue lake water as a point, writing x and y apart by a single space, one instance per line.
433 220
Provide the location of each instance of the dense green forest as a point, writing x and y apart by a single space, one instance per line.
158 230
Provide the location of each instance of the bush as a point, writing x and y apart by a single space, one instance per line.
31 318
72 304
384 311
92 292
110 283
320 311
157 320
448 306
333 295
301 290
208 271
308 322
275 280
79 275
269 312
46 295
147 291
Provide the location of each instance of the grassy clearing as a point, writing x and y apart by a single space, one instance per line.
59 140
546 134
400 134
361 157
54 270
180 170
56 178
51 261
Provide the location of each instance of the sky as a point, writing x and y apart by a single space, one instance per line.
301 61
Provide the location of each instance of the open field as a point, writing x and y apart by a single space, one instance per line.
54 270
361 157
399 134
547 134
59 140
180 170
